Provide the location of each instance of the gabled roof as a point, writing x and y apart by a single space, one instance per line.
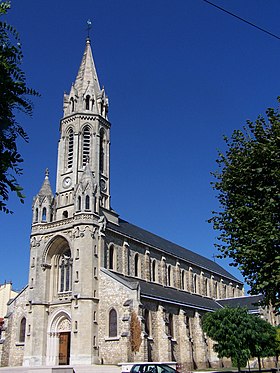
157 292
251 302
171 248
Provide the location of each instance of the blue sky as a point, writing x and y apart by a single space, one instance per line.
179 75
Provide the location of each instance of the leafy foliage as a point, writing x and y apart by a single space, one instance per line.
248 185
135 332
238 334
13 97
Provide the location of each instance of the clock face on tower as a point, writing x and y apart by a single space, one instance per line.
67 182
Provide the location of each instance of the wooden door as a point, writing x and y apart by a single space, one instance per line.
64 348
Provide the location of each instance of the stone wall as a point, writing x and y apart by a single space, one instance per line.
13 348
113 350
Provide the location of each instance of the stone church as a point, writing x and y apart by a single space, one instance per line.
102 290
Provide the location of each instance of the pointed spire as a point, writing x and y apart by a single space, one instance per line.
46 189
87 79
85 94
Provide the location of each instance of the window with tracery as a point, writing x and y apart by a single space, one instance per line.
65 272
113 323
70 148
22 330
86 145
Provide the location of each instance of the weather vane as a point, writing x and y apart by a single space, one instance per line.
88 27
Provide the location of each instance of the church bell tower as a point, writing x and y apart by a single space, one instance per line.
67 239
83 183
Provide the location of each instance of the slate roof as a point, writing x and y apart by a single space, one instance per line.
251 302
151 290
168 247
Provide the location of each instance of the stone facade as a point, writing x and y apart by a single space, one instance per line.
90 271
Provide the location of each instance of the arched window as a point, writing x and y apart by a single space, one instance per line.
70 148
79 203
169 274
216 290
136 265
65 271
154 271
72 104
86 145
22 329
112 257
44 214
87 102
206 285
101 151
225 291
87 204
36 215
170 326
195 287
147 320
113 323
183 280
65 214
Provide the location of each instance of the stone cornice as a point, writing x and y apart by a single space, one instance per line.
86 117
75 220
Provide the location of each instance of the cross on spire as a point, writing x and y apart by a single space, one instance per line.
88 27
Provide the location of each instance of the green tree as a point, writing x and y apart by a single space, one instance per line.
240 335
248 186
262 343
277 345
230 328
13 97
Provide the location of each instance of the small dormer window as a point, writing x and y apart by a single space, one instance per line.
87 102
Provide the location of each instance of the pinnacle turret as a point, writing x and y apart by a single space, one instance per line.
43 202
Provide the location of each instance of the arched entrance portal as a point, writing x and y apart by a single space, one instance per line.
59 340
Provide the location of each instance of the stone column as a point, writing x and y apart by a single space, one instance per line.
184 356
199 345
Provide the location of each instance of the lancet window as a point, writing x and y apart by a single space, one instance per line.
113 323
70 148
86 145
22 330
65 272
101 151
87 102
